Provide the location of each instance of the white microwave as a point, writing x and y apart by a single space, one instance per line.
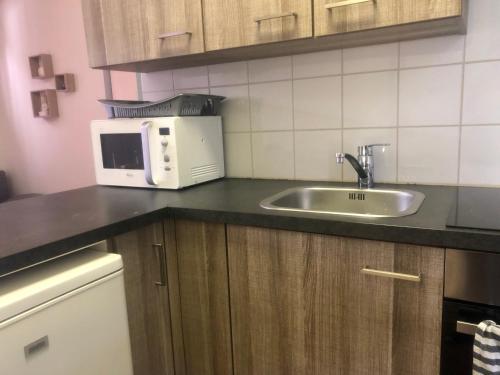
161 152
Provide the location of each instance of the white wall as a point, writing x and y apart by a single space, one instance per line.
437 101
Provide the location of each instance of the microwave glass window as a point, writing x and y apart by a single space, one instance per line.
122 151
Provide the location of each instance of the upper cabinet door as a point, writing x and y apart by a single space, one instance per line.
237 23
341 16
124 31
173 27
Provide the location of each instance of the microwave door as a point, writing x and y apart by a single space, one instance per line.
148 171
122 151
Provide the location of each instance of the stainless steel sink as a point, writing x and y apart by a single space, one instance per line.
345 201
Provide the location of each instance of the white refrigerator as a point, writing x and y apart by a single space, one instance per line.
66 317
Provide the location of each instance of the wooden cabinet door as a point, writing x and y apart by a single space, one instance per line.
300 305
94 35
173 27
203 298
237 23
147 299
340 16
126 31
123 31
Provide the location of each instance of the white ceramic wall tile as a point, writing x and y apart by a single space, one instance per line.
273 69
238 154
315 155
228 74
317 103
370 100
385 158
190 78
480 155
432 51
371 58
192 91
157 95
273 155
483 30
430 96
158 81
481 93
235 109
271 106
317 64
428 155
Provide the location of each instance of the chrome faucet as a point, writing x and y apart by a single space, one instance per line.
363 165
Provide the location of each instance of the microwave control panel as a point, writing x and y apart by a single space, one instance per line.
165 149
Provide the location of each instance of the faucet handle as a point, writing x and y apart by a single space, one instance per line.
367 150
340 157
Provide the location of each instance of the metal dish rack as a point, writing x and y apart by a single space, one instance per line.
179 105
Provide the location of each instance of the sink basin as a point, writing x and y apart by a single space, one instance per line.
345 201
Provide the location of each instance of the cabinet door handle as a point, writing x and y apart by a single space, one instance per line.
391 275
466 328
174 34
162 257
346 3
274 16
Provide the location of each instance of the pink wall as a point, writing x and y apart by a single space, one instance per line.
39 155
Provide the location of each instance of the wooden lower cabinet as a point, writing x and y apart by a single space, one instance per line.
148 305
176 282
202 306
210 299
300 305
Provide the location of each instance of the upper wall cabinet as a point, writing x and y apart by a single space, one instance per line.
153 35
342 16
237 23
125 31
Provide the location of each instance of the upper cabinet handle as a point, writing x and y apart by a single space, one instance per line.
273 16
391 275
347 3
173 34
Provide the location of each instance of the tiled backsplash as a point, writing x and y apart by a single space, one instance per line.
436 101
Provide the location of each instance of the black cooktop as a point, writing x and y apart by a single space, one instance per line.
476 209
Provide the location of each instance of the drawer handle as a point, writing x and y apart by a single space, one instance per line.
391 275
162 256
346 3
174 34
466 328
274 16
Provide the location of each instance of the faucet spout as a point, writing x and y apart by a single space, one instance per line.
363 165
355 164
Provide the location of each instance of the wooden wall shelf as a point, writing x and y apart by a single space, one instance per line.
65 82
41 66
44 103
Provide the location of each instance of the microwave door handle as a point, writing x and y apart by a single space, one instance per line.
146 154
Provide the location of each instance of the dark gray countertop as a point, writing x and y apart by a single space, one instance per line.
36 229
